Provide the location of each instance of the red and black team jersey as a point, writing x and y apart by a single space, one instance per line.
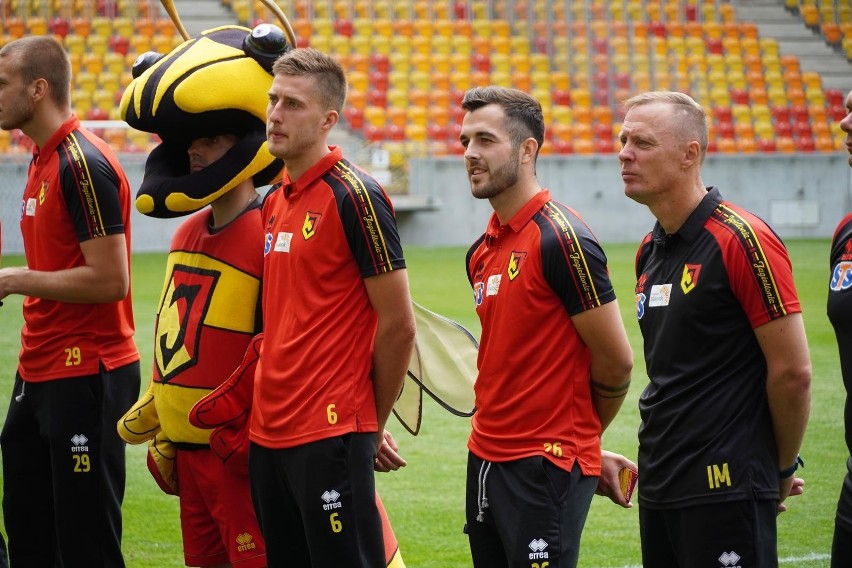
533 392
706 433
840 314
76 190
325 233
208 313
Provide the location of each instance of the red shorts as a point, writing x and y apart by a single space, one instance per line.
216 514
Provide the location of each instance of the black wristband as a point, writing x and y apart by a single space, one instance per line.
785 473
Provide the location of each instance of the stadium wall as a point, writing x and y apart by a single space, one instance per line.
800 195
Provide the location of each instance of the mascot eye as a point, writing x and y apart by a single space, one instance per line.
144 62
265 44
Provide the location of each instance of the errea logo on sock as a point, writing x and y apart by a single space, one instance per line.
730 559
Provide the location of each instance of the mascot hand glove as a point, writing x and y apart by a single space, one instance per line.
162 464
227 410
141 424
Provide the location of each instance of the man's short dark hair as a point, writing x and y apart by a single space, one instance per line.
524 117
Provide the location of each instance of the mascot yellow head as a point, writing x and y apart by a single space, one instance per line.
214 83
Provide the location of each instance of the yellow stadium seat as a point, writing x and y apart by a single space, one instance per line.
110 82
85 82
97 44
93 63
81 101
101 26
123 27
75 44
104 100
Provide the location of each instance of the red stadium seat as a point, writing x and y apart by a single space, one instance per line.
764 145
805 144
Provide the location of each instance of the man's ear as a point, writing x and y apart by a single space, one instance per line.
692 154
38 89
331 118
528 149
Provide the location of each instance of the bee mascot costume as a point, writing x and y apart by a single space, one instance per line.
213 83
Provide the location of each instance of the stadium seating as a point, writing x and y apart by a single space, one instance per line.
410 61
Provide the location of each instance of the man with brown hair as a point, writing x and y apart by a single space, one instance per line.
78 371
338 332
554 361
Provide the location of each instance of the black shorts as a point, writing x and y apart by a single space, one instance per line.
316 503
734 533
525 513
64 469
841 547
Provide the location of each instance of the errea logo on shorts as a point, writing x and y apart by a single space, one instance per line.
331 500
730 559
537 545
79 441
245 541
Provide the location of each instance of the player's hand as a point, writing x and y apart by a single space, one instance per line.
790 488
387 458
608 483
8 279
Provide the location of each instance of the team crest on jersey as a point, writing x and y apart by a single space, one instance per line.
181 316
42 192
309 227
516 259
478 293
841 276
689 278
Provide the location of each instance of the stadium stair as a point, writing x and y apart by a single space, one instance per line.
795 38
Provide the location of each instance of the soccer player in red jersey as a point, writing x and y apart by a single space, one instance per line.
725 411
338 332
78 371
840 314
554 361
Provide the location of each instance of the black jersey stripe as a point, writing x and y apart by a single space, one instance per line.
344 177
745 235
575 257
76 157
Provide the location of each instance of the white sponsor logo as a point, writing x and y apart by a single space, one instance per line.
493 285
31 207
282 243
660 295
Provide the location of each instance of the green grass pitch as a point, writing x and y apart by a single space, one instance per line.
425 500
